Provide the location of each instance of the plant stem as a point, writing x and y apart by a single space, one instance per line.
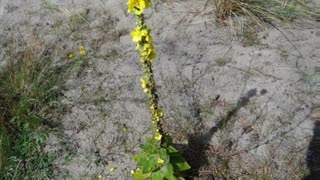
153 97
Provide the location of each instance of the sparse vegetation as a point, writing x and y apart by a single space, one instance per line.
27 86
250 36
73 19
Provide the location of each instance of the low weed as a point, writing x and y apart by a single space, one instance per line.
73 20
27 158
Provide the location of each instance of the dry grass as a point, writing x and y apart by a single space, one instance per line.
266 11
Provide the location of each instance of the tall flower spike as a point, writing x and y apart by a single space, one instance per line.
160 144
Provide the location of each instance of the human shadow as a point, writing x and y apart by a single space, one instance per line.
313 154
198 143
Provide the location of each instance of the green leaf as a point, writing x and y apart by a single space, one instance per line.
148 148
171 149
164 154
168 141
147 166
179 163
4 146
138 175
158 175
150 163
168 169
140 158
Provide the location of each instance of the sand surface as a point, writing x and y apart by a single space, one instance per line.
251 100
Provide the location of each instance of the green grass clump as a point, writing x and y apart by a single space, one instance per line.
27 86
27 158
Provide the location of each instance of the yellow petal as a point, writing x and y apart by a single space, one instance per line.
146 34
139 47
159 113
71 56
160 161
152 107
136 35
138 6
143 83
152 56
157 136
82 50
148 3
148 51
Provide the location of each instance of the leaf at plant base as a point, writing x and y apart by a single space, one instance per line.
140 158
168 141
163 154
158 175
150 164
179 162
169 174
148 148
171 149
145 161
138 175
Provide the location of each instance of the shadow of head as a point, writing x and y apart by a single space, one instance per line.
313 155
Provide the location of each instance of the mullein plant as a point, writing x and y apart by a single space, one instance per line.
159 159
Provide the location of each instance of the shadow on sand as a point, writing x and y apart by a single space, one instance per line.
198 143
313 155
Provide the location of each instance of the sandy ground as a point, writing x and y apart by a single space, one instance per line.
249 99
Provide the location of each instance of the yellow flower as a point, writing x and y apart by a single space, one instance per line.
138 6
152 55
146 33
158 114
112 170
152 107
132 172
143 83
138 47
157 136
71 56
160 161
99 176
148 52
82 50
138 34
